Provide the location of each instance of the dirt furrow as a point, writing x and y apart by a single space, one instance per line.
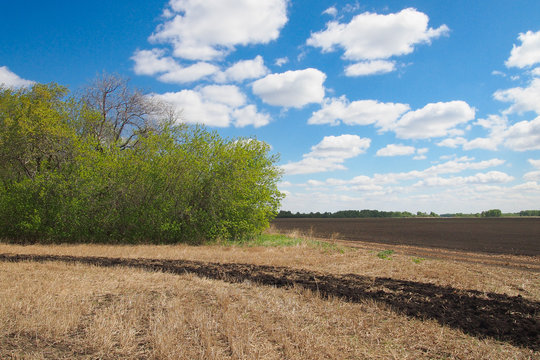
512 319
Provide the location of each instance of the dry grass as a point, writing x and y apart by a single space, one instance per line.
361 261
55 311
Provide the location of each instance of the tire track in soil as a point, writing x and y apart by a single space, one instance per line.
511 319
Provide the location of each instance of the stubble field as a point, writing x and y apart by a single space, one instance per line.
307 301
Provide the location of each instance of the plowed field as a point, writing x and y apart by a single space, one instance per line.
514 236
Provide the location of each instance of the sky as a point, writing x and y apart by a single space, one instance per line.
412 105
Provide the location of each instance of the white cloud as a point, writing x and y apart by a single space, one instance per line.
396 150
291 88
523 99
535 71
332 11
214 105
281 61
529 186
223 94
534 163
495 124
190 73
524 135
486 143
329 154
420 154
373 67
452 142
491 177
12 80
242 70
371 36
532 176
207 30
361 112
248 115
390 191
433 120
450 167
526 54
153 62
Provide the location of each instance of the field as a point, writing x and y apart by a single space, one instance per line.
515 236
302 299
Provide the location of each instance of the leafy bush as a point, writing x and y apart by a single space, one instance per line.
64 179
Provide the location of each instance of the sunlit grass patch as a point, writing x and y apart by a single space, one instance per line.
280 240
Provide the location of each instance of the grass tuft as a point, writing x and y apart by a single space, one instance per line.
385 254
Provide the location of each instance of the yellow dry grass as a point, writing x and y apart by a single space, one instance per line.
55 310
59 311
361 261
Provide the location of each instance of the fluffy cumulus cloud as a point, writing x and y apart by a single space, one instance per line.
396 150
434 120
243 70
189 73
248 115
526 54
210 29
361 112
12 80
370 36
214 105
291 88
329 154
496 125
154 62
523 99
524 135
533 175
373 67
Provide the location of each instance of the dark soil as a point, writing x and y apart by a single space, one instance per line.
512 319
514 236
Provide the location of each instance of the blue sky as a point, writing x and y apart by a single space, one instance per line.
389 105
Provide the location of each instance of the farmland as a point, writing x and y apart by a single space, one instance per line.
514 236
310 300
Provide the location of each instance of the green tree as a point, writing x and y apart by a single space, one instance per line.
64 179
492 213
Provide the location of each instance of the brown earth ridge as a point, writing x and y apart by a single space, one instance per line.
512 319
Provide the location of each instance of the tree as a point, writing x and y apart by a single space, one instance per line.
35 131
72 173
492 213
124 114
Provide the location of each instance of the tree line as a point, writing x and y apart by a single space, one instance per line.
399 214
112 164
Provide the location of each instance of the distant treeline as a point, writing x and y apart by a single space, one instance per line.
399 214
354 214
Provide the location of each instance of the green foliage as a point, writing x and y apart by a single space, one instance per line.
492 213
529 213
417 260
385 254
353 214
175 183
